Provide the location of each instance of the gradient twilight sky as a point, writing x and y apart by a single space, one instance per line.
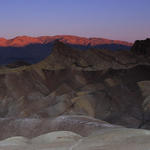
114 19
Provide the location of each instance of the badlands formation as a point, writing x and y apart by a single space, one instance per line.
77 100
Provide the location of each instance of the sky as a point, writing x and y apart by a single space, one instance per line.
127 20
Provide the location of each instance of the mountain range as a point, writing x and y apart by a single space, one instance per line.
33 50
21 41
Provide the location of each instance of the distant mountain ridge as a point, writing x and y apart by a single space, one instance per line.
35 49
21 41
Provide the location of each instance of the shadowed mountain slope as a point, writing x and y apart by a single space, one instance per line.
72 40
34 49
141 47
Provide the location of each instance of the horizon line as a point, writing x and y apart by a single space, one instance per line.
73 35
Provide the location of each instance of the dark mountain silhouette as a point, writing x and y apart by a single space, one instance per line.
32 53
141 47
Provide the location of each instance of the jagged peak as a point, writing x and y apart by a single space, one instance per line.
58 44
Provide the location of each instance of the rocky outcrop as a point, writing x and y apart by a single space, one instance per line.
141 47
64 57
53 93
101 84
145 89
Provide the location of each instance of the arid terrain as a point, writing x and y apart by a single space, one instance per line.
75 99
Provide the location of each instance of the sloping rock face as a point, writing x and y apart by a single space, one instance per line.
32 127
68 89
105 139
